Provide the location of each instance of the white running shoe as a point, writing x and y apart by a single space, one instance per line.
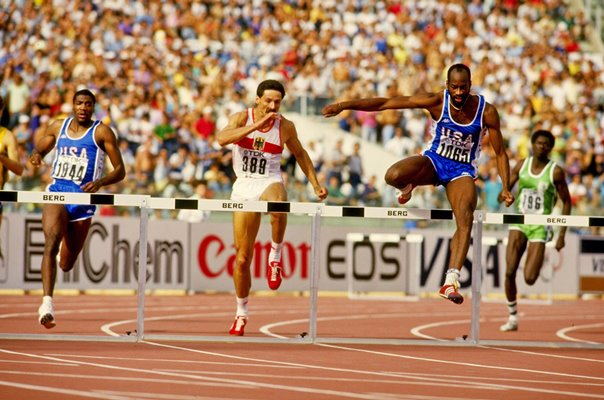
510 326
46 315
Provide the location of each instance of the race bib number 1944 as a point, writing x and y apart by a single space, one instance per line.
70 168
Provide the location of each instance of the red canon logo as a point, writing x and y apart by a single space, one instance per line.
215 259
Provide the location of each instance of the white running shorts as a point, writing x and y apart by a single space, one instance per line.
249 189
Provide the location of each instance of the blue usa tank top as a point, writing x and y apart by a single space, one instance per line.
77 160
457 142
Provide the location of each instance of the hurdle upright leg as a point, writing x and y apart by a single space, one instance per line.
476 276
314 273
142 269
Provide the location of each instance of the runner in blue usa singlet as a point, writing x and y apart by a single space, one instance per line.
77 161
455 147
460 119
80 146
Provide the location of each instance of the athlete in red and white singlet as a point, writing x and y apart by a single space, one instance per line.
258 136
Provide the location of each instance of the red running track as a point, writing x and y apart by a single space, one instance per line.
48 368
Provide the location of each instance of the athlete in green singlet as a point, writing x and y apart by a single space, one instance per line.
540 181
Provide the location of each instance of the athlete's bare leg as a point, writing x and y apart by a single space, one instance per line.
245 229
73 242
462 196
534 262
276 192
515 249
415 170
54 225
517 242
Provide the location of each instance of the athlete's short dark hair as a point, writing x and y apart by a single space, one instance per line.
270 84
85 92
546 134
459 67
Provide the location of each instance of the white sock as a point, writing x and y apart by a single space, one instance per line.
452 277
513 310
47 299
275 254
242 306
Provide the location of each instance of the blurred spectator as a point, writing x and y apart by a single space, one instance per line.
367 120
401 144
17 99
201 192
371 197
154 68
144 164
578 191
336 161
491 189
334 194
23 132
206 125
389 120
315 152
355 168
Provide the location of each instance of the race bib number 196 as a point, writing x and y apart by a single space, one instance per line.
531 202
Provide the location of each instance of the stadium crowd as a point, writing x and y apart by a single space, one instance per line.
167 74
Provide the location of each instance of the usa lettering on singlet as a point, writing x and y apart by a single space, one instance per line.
537 192
454 141
258 155
77 160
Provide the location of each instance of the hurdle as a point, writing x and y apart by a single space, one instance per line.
317 211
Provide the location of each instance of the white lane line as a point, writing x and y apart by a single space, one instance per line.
108 311
417 330
66 362
434 360
466 382
562 333
170 360
266 329
108 328
61 364
411 380
535 353
241 383
157 396
120 378
449 382
71 392
486 378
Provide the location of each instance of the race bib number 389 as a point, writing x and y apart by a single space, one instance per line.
70 168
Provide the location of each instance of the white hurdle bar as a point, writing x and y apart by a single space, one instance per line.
317 211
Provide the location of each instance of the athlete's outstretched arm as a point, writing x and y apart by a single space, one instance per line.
423 100
491 119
